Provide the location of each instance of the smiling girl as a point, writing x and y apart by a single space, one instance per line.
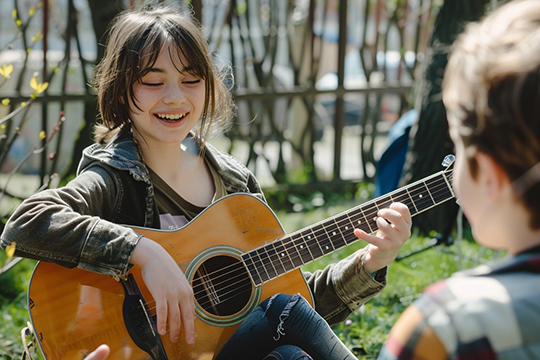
160 96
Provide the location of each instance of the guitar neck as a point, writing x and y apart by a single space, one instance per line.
306 245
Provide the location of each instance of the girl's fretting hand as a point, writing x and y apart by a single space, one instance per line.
169 287
394 226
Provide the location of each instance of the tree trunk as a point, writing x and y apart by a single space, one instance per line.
103 12
430 141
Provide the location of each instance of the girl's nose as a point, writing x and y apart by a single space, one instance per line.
174 95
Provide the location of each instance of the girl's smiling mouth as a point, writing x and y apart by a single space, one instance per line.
171 117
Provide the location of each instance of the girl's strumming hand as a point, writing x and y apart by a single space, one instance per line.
394 228
169 287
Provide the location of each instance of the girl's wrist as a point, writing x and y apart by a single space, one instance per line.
143 252
371 266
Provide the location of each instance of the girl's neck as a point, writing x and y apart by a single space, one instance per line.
183 169
166 158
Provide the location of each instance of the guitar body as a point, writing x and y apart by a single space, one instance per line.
73 311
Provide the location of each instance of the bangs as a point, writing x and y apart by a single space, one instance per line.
183 49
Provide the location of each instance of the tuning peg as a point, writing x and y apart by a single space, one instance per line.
448 159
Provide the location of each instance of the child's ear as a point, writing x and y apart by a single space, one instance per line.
491 175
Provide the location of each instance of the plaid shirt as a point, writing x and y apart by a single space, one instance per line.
491 312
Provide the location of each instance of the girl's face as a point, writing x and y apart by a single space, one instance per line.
170 100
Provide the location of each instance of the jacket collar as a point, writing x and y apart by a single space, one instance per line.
121 153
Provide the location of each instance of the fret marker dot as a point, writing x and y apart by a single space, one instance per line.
326 247
301 246
334 233
420 195
346 228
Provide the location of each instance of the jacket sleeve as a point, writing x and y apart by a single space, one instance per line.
341 288
67 226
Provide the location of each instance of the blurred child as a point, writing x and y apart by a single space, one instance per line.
491 91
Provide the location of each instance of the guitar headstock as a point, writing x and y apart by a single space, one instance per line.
449 161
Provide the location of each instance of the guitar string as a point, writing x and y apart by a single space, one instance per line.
237 293
301 236
287 242
239 265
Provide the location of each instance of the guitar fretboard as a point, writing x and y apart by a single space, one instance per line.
303 246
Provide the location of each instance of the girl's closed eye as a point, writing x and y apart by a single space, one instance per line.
192 81
151 84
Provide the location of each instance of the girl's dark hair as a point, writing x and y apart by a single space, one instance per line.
136 39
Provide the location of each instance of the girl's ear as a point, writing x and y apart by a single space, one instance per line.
492 176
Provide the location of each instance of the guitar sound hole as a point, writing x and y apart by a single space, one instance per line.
222 286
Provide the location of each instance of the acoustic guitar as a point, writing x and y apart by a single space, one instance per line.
235 254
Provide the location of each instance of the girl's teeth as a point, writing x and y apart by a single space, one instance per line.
171 116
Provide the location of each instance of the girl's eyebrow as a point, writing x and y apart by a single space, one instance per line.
154 70
188 70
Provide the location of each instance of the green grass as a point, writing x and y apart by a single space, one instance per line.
13 309
364 331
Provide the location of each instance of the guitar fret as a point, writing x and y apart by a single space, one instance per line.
412 202
314 244
333 241
429 193
301 247
404 198
260 266
319 232
292 245
443 191
296 258
348 228
384 203
371 215
275 260
419 192
342 225
267 264
283 256
335 235
250 264
360 221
